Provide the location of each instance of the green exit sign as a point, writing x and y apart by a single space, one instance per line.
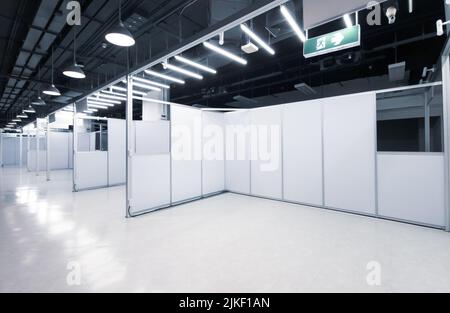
335 41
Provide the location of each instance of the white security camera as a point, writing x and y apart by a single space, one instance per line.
391 14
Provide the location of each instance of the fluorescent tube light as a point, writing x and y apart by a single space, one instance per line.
166 77
287 15
195 64
348 21
29 110
104 100
256 38
119 88
22 116
18 120
182 71
125 90
100 103
111 97
97 106
144 86
225 53
150 82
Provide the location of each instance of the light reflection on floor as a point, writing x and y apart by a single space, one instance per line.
228 243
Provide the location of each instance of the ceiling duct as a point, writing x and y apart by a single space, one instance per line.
397 71
247 102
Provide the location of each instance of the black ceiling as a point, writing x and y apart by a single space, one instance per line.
30 28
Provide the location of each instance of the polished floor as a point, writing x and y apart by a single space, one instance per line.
52 240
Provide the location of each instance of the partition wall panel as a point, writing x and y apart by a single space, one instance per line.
150 182
10 151
32 159
237 151
116 152
71 150
302 152
91 170
213 147
186 146
266 154
59 150
350 152
150 166
411 187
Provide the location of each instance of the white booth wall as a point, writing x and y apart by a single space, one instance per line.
320 152
330 160
32 157
167 165
98 169
10 150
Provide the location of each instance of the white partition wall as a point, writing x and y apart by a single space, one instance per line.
116 152
411 187
302 152
60 150
33 158
150 166
237 152
266 154
91 170
186 141
70 150
213 145
10 151
349 152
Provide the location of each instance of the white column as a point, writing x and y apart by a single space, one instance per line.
37 151
1 147
75 147
28 148
446 116
129 133
47 153
20 150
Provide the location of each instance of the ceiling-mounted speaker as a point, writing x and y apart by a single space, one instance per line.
250 48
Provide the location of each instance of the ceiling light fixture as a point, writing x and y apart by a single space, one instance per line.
22 116
111 97
74 70
225 53
97 106
256 38
18 120
195 64
287 15
144 86
30 109
348 21
166 77
119 35
150 82
182 71
104 100
51 90
100 103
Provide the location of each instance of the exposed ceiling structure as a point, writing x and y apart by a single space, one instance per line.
30 32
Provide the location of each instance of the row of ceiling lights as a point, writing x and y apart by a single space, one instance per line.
120 36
